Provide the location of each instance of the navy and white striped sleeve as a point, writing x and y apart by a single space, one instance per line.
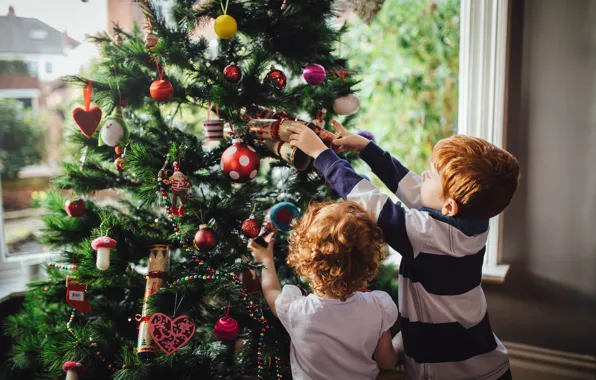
390 217
399 179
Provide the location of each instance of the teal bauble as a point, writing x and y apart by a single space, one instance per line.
282 215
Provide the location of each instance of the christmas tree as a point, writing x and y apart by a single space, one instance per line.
160 283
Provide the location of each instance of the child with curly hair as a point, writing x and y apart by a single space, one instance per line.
338 330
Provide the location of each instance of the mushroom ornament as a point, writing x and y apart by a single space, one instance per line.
103 245
72 369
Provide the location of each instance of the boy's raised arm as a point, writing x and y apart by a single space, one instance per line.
399 179
390 217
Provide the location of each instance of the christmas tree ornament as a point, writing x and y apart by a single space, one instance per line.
284 4
178 185
151 40
161 89
314 74
251 281
226 328
346 105
367 10
282 215
118 150
103 245
276 79
367 135
157 268
213 130
250 227
76 296
291 154
119 164
171 335
114 129
232 73
72 370
205 238
240 162
225 25
267 230
75 208
88 118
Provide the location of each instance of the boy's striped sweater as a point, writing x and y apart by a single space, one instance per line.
445 328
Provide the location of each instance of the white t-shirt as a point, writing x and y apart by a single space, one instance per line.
332 339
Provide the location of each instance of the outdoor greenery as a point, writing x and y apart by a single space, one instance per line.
13 67
21 138
407 59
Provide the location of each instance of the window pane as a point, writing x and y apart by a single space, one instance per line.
48 67
24 177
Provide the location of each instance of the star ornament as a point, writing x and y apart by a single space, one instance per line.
282 215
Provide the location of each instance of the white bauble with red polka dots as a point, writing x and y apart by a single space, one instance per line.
240 162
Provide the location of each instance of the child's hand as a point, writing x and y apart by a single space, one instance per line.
307 141
348 141
261 254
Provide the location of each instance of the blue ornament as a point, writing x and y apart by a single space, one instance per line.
282 215
367 135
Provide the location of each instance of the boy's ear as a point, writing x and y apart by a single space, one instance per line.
450 207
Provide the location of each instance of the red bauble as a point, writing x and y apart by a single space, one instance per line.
119 164
205 238
118 149
240 162
75 208
232 73
276 78
161 90
226 329
251 227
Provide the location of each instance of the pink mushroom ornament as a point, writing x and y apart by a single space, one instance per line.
103 245
73 370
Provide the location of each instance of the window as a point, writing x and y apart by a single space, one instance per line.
481 103
49 67
32 66
38 34
483 61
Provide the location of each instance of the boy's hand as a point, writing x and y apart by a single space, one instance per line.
261 254
348 141
307 141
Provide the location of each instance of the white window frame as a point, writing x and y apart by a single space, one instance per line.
484 33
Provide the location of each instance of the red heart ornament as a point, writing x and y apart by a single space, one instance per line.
171 335
88 121
75 208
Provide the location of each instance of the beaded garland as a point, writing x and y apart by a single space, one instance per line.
63 266
91 342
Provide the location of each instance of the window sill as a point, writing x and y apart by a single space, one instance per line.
495 274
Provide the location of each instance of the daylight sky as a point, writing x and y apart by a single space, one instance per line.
74 16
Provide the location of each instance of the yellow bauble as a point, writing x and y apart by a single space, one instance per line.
225 26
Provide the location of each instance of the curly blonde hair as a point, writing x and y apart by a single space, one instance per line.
337 246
